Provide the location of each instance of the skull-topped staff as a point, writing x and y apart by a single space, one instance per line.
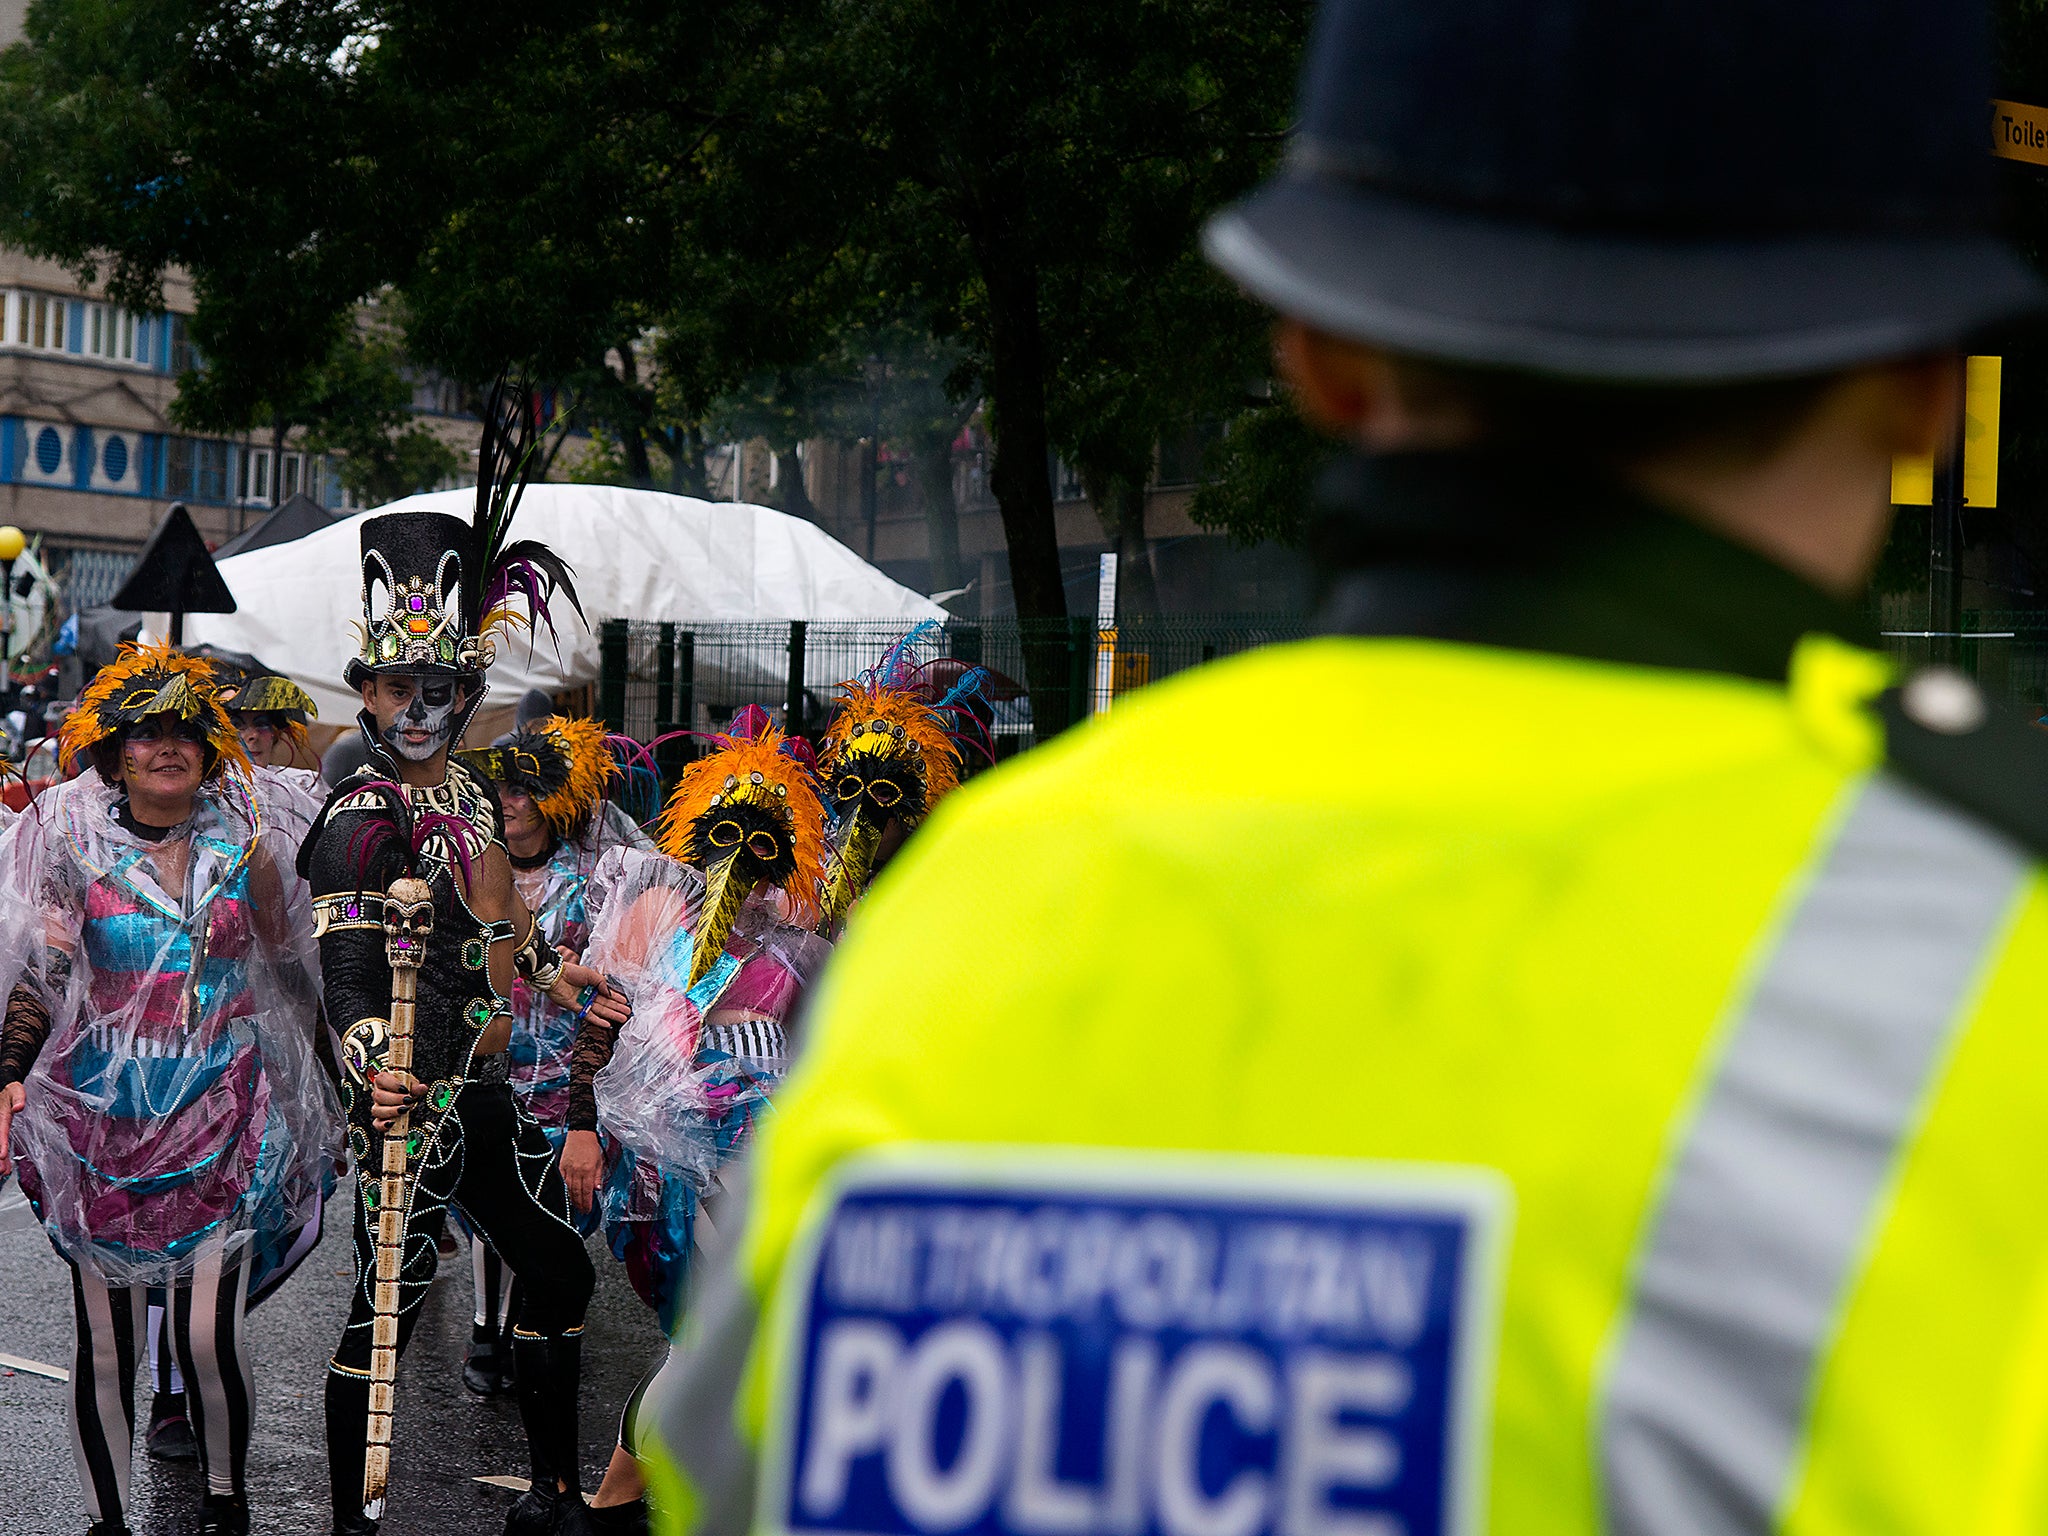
408 920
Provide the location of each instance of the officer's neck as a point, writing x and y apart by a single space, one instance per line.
1813 499
1819 506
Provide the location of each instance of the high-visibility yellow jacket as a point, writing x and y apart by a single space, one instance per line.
1747 1029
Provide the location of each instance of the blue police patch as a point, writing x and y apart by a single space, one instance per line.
1037 1344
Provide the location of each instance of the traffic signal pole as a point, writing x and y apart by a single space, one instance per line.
1944 556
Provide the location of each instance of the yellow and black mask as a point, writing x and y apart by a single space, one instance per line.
747 814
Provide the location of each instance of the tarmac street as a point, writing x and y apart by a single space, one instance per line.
445 1437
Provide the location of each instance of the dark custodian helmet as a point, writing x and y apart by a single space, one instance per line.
417 568
1608 190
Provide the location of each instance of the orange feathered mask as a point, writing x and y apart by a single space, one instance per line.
145 680
747 814
563 763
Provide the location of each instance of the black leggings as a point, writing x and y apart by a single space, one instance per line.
491 1160
206 1327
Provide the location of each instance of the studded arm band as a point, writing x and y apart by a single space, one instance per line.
537 959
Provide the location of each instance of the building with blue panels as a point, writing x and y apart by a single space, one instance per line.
88 455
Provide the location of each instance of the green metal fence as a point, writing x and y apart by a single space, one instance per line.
2005 650
658 678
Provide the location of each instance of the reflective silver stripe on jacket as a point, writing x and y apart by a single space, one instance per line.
1770 1198
692 1400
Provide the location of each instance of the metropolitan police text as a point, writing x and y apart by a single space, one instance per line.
1293 1329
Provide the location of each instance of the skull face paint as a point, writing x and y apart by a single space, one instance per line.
423 727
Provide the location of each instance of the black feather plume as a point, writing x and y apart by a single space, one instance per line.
507 456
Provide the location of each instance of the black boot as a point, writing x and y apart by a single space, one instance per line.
484 1368
348 1417
169 1437
107 1528
628 1519
223 1515
549 1372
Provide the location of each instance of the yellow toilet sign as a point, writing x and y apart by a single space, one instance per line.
1913 479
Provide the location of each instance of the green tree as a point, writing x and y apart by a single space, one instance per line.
515 175
1261 473
655 204
1001 158
360 408
137 135
1155 350
876 381
356 403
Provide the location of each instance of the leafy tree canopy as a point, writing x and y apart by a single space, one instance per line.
660 206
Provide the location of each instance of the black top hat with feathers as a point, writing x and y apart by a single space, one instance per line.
435 587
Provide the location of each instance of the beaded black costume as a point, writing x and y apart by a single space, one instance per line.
380 848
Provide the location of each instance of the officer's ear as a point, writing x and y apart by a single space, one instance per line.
1362 395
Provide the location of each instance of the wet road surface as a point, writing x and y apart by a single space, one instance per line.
445 1437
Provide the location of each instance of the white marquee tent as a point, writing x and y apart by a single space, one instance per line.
636 554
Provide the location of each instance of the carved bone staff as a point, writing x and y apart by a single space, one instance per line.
408 920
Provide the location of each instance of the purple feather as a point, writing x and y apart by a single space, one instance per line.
453 830
378 831
626 751
366 842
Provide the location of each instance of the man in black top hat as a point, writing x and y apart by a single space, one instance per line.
1645 977
418 917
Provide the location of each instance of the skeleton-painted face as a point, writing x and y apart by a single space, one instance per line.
421 726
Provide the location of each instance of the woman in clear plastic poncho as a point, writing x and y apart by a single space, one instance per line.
160 1095
711 938
269 712
552 775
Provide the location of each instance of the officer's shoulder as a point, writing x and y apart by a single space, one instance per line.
1141 764
1945 738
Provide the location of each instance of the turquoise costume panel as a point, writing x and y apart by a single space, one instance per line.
178 1099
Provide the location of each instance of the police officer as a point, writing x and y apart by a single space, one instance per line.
1562 1053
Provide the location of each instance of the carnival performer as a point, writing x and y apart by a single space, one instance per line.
551 776
422 932
158 1089
269 710
269 713
711 937
891 753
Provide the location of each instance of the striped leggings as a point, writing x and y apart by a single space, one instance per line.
205 1317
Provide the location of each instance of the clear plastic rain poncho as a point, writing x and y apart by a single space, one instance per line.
178 1101
656 1097
293 799
543 1031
